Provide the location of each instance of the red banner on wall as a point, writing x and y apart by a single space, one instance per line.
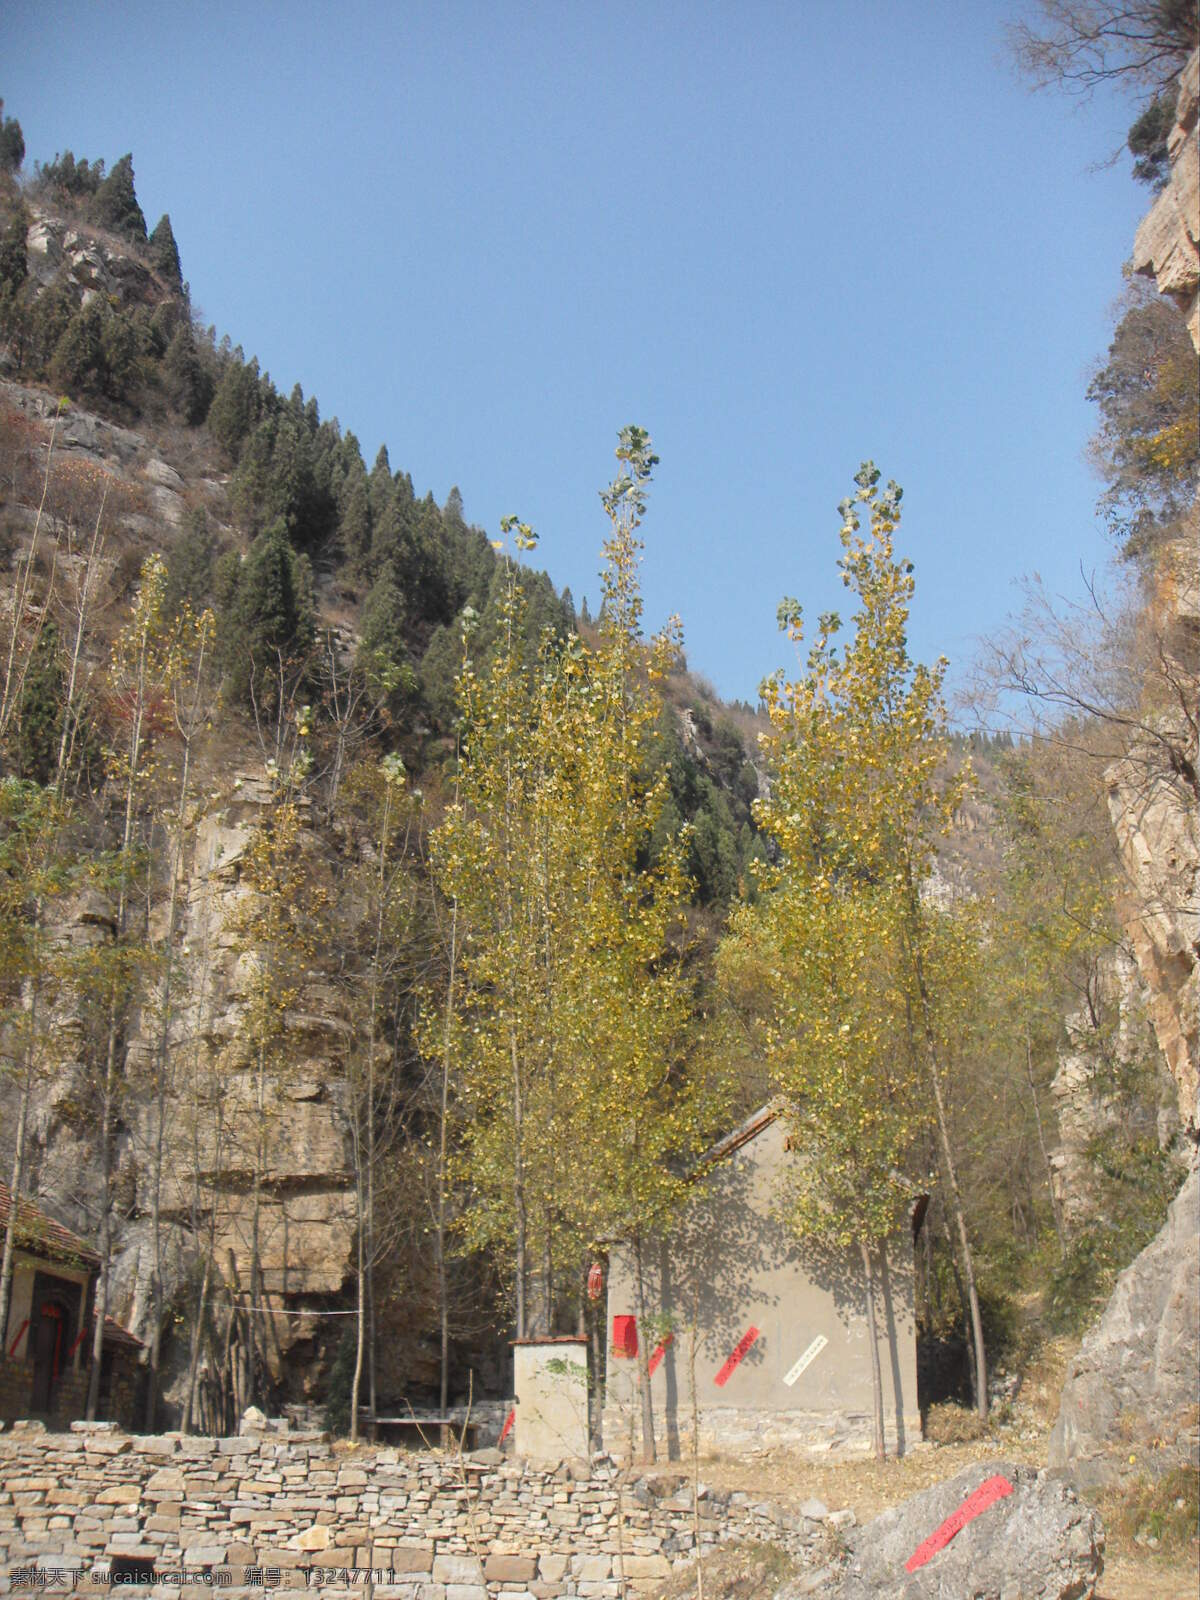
660 1351
735 1356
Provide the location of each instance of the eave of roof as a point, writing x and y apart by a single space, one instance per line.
39 1234
750 1129
114 1333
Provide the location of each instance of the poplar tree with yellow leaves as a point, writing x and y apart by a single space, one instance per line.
571 1018
860 968
278 932
143 663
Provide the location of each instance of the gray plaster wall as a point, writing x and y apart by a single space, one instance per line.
550 1377
733 1265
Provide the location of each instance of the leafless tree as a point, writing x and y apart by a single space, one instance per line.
1081 44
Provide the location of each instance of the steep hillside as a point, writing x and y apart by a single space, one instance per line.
338 599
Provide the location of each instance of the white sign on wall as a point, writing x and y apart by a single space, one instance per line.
806 1360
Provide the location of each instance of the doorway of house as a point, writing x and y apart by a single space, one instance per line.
52 1327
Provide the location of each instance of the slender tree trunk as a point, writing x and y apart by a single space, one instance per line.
955 1194
18 1178
443 1115
649 1453
66 742
199 1324
110 1073
873 1341
164 1037
962 1300
1055 1207
693 1338
196 1339
519 1188
933 1302
360 1322
255 1224
136 727
14 679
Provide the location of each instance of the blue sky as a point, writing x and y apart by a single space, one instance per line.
782 237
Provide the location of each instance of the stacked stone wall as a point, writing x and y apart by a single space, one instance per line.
16 1392
291 1511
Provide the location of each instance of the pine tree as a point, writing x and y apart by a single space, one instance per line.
381 652
40 709
267 630
191 563
78 360
12 143
115 204
185 378
236 404
164 253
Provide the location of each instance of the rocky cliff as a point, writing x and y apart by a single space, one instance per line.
1130 1398
1167 246
1152 793
195 1121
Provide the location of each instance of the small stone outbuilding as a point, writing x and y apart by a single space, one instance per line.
44 1359
781 1343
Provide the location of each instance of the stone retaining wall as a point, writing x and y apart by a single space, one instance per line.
289 1511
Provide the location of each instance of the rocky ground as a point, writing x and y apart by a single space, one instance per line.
1134 1570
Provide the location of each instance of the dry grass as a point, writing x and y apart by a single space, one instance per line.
735 1572
862 1484
1155 1515
953 1424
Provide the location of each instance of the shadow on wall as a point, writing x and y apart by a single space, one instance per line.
757 1300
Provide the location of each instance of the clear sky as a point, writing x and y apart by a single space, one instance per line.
780 236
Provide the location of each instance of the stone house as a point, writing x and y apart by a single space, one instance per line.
44 1359
781 1341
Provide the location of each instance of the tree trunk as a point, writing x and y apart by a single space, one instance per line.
18 1177
361 1327
1055 1207
519 1190
194 1352
873 1341
443 1113
955 1194
110 1074
649 1454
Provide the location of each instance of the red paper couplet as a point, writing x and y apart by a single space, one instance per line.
508 1422
735 1356
986 1495
660 1351
624 1336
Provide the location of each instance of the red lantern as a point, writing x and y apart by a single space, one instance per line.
595 1281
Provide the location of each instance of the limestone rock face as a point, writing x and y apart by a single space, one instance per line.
1166 246
1153 808
217 1104
1132 1387
1039 1540
1085 1100
208 1122
93 263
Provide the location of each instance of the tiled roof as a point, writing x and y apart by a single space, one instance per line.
114 1333
40 1235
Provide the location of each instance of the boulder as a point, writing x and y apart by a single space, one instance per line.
1131 1390
1038 1543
